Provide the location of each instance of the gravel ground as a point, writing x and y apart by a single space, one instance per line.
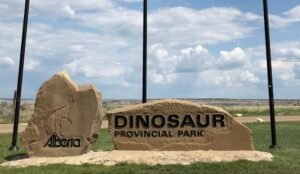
110 158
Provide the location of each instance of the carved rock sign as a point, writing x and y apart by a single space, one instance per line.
66 119
177 125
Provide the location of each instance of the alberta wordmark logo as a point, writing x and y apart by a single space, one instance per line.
55 141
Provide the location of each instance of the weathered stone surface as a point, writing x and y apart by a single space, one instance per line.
66 119
177 125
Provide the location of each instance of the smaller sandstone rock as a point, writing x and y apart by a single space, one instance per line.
259 120
66 119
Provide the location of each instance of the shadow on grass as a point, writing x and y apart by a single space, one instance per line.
16 157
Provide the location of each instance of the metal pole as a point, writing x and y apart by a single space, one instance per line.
12 118
14 146
270 78
145 51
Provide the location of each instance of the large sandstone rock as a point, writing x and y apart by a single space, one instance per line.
66 119
177 125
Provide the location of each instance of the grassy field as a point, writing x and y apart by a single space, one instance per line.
288 109
262 110
287 158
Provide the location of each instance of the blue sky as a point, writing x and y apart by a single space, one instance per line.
197 49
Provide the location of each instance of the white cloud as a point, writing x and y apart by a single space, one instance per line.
228 69
6 62
131 1
285 57
159 52
284 62
80 67
10 41
294 13
247 76
199 50
161 64
297 70
11 9
162 78
252 16
53 9
278 21
212 25
282 65
194 59
164 66
287 51
235 54
68 11
31 65
101 42
234 78
286 76
236 58
286 19
120 22
109 72
91 67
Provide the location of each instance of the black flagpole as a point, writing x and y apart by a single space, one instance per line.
270 78
14 146
145 52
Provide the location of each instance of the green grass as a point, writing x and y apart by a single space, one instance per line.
5 120
287 158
